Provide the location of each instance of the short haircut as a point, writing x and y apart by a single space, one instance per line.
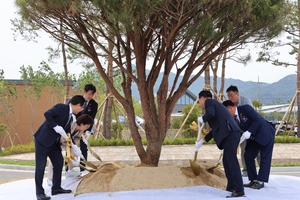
77 99
205 93
89 87
228 103
232 88
84 119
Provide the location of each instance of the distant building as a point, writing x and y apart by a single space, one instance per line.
23 112
187 98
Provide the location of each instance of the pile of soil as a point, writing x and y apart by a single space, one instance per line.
116 176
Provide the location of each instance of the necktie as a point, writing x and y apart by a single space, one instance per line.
236 119
84 106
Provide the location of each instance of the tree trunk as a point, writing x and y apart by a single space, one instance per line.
207 76
222 96
298 74
214 70
109 101
63 51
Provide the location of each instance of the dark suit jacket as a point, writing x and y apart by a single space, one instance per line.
220 121
261 130
91 109
57 115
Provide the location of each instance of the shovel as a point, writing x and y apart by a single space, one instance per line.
69 155
195 167
210 169
87 162
90 149
87 169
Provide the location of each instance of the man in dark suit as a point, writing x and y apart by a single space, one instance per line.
226 134
47 143
239 100
260 135
90 108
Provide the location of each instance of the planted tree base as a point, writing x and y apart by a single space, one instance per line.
116 176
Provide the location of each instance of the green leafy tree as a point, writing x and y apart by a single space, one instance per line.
256 104
194 114
10 115
193 32
176 122
3 126
35 82
90 74
271 50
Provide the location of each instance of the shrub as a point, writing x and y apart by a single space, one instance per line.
29 148
176 122
18 149
116 130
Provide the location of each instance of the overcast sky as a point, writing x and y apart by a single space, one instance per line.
14 54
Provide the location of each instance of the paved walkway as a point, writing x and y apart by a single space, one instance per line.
177 154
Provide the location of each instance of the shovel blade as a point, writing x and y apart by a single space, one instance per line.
195 167
91 165
94 153
87 169
88 163
210 169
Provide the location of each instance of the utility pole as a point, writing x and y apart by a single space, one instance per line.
298 73
258 88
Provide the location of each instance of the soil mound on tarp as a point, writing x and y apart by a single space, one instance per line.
116 176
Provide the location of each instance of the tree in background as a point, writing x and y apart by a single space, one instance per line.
270 50
184 36
195 113
35 82
30 33
233 55
3 125
10 115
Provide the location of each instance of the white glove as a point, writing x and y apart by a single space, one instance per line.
87 133
75 162
198 144
61 131
200 119
221 157
246 135
76 150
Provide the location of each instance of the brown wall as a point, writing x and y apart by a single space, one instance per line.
27 113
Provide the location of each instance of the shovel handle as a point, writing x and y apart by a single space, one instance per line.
199 130
195 156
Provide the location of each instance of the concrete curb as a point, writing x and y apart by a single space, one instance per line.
17 167
32 168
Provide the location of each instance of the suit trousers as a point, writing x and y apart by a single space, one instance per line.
251 151
55 155
243 146
231 164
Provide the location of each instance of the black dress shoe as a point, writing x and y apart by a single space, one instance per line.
60 191
257 185
42 197
250 184
236 194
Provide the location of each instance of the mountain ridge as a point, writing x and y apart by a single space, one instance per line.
266 93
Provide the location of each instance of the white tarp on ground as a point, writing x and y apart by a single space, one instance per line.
279 187
123 119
